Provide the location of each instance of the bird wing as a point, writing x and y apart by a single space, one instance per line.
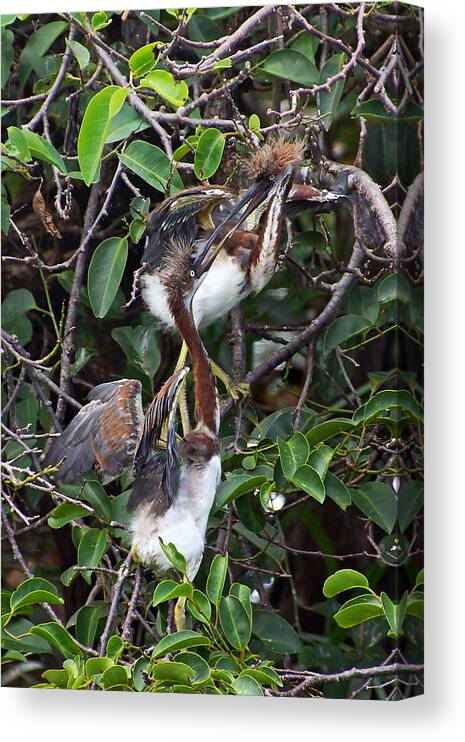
105 431
157 471
182 214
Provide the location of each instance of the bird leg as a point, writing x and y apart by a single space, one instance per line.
180 614
235 390
182 395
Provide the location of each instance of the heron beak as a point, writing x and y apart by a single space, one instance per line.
250 201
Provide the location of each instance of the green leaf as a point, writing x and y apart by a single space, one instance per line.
201 670
34 590
81 358
97 665
65 513
254 122
363 301
328 429
223 64
151 164
140 346
420 578
395 613
344 328
144 59
96 496
235 622
91 549
275 632
409 502
337 491
308 480
80 53
176 672
37 44
200 607
95 127
174 91
106 270
216 578
374 109
87 619
385 401
357 611
208 153
40 149
174 556
378 502
114 678
320 459
57 678
14 307
289 64
343 579
235 486
57 636
242 593
293 453
245 685
100 20
394 287
263 675
328 101
169 589
416 605
136 230
7 38
115 648
179 640
124 123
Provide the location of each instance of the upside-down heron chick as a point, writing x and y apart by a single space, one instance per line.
174 486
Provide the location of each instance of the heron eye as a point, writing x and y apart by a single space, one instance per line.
272 177
192 274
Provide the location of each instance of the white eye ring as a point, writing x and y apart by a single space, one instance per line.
272 177
192 274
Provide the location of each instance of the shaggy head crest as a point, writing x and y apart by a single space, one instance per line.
275 156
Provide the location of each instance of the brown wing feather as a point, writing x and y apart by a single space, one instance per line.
105 431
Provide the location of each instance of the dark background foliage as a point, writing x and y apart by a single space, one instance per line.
323 463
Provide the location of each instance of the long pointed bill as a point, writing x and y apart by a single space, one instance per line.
249 202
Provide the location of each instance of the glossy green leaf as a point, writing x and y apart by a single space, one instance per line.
41 149
200 606
293 453
409 502
136 230
358 610
36 46
383 402
275 632
216 578
374 109
364 302
95 127
378 502
91 549
124 123
289 64
337 491
343 579
420 578
34 590
263 675
176 672
140 346
100 20
162 82
80 52
201 670
97 665
57 678
394 287
328 101
115 678
115 648
87 619
344 328
395 613
65 513
328 429
245 685
151 164
58 637
308 480
144 59
235 622
320 459
169 589
7 38
95 495
106 270
179 640
174 556
416 605
242 593
235 486
208 153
